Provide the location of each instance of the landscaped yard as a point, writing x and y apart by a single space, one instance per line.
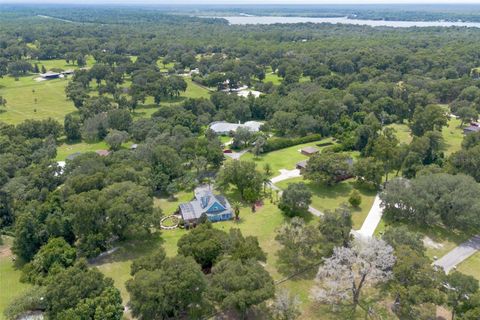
283 158
331 197
471 266
261 224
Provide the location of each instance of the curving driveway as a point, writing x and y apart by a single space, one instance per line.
460 253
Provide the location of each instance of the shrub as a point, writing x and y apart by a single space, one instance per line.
281 143
355 199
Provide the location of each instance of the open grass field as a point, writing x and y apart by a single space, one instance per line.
61 63
29 99
67 149
331 197
452 135
283 158
471 266
10 285
193 91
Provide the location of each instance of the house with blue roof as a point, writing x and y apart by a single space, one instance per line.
215 207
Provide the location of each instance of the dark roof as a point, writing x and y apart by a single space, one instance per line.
302 164
310 150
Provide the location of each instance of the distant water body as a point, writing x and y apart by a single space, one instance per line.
244 20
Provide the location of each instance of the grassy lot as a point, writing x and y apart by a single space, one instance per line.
67 149
29 99
444 238
193 91
452 135
471 266
331 197
284 158
403 132
10 285
61 63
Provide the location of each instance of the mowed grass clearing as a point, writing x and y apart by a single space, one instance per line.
29 99
452 135
471 266
331 197
284 158
10 285
193 91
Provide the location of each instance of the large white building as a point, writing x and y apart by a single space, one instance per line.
225 128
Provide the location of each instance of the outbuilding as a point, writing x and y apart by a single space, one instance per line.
308 151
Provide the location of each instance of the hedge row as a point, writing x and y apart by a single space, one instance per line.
281 143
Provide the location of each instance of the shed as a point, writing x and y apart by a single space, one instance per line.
103 153
302 165
308 151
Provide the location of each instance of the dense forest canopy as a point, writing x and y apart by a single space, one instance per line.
376 104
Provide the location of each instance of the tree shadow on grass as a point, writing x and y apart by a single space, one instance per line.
132 248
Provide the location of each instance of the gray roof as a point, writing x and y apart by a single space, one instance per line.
310 150
472 129
302 164
225 127
204 199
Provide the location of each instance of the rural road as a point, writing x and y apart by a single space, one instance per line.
372 220
460 253
288 174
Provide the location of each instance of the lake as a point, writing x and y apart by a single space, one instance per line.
244 20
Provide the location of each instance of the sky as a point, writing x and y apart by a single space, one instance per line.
173 2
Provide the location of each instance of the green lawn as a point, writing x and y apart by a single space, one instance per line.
29 99
452 135
471 266
10 285
67 149
61 63
403 132
261 224
445 238
193 91
284 158
331 197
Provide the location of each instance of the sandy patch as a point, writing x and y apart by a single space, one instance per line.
428 242
5 251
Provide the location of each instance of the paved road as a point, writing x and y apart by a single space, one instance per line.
460 253
286 174
372 220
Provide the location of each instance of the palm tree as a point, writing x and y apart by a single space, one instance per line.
266 182
236 210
